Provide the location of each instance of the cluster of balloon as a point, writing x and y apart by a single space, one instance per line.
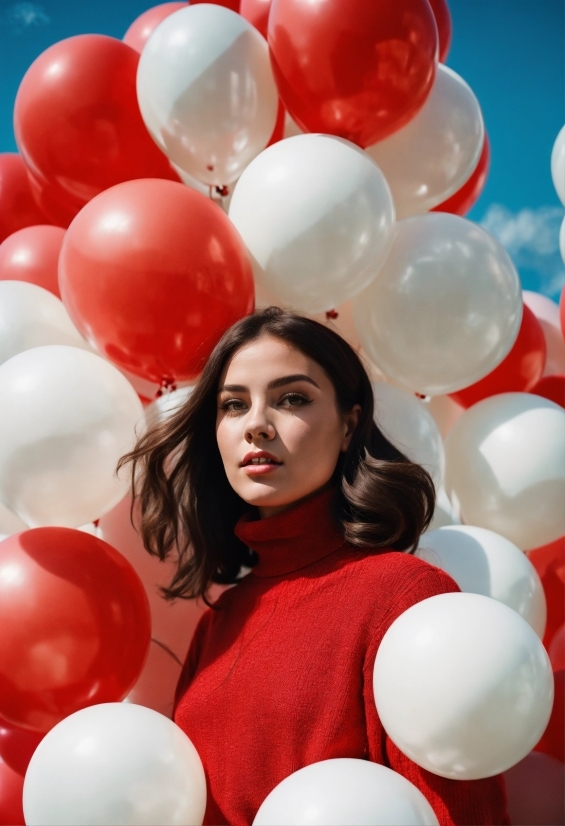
241 153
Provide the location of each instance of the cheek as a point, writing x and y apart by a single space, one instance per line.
316 438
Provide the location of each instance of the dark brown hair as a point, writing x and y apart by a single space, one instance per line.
382 501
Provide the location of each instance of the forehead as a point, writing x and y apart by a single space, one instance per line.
267 358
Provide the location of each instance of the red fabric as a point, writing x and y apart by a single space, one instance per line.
281 675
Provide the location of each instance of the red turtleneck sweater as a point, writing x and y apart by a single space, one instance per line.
281 675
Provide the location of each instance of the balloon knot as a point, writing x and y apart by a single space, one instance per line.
332 314
224 191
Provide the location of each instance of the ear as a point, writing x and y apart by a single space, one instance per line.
350 420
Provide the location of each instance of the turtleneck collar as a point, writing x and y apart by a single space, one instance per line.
294 538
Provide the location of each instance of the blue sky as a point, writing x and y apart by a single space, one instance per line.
510 52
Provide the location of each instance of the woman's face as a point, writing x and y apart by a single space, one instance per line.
278 426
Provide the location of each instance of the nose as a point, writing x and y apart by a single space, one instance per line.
259 425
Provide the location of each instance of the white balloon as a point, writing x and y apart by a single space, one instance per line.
9 522
463 685
444 513
505 468
345 791
66 417
483 562
562 240
317 216
547 313
111 764
206 92
430 158
157 682
166 405
558 165
445 411
31 317
405 421
446 307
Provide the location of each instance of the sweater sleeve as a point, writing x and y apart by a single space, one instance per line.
455 802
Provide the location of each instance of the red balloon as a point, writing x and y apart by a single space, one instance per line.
257 13
32 254
549 562
556 649
17 746
152 273
518 372
278 131
142 27
553 739
535 791
443 22
461 201
77 120
227 4
59 210
11 794
359 69
552 388
562 312
17 205
76 625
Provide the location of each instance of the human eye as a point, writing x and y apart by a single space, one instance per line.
232 406
295 399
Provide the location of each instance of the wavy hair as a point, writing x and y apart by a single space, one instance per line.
188 508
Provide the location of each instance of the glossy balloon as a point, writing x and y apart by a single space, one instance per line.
463 685
483 562
443 21
445 412
549 562
79 625
345 792
11 789
518 372
9 522
17 205
535 790
157 682
504 466
17 746
444 513
430 158
58 207
317 217
207 93
115 763
558 165
552 388
359 70
465 198
153 273
79 136
445 308
257 13
552 741
547 313
31 254
143 26
66 418
556 649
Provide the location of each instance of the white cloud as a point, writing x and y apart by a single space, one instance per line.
531 238
23 15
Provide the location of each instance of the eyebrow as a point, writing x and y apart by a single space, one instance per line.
284 380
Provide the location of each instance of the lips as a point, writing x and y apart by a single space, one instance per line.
259 458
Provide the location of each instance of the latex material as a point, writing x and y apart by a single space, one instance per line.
444 513
257 13
77 121
58 209
17 205
207 93
443 21
406 422
445 308
152 273
31 254
483 562
465 198
552 741
562 240
115 763
345 792
535 789
156 685
504 466
547 313
549 562
79 625
162 408
519 371
66 418
463 685
558 165
143 26
9 522
430 158
556 649
445 412
17 746
317 218
31 317
11 787
359 70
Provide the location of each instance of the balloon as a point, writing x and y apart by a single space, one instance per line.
552 741
443 22
519 371
156 685
57 207
549 562
11 788
207 93
66 418
153 273
558 165
17 746
79 625
359 70
465 198
483 562
233 5
556 649
445 308
430 158
317 217
77 120
9 522
257 13
562 240
143 26
535 789
547 313
552 388
115 763
31 254
463 685
166 405
444 513
346 792
17 206
445 412
405 421
504 466
562 312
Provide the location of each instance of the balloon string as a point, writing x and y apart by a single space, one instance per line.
167 649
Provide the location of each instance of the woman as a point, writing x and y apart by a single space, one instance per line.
275 464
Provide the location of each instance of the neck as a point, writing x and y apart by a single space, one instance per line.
267 511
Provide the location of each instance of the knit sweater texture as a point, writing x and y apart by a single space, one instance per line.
280 672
